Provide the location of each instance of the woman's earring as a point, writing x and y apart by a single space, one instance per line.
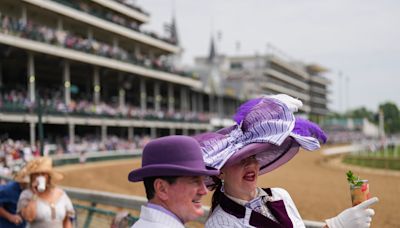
222 185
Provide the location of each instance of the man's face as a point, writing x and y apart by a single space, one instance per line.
240 180
184 197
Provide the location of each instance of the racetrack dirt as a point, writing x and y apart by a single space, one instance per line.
318 188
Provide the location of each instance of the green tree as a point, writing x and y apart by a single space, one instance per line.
391 117
361 113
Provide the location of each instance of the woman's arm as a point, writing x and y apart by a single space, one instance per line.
29 212
26 205
67 222
70 212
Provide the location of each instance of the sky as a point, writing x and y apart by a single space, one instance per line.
357 40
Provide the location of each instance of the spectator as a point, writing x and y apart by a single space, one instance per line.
45 205
249 149
174 184
9 195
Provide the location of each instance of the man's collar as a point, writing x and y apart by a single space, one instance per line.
164 210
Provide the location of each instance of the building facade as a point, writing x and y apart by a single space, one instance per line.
88 68
271 74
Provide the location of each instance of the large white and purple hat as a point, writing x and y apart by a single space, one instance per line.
265 127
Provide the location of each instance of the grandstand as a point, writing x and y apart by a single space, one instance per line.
272 73
87 69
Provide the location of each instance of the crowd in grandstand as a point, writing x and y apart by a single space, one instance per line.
30 30
53 103
12 152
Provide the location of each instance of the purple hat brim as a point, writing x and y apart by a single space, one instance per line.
168 170
269 156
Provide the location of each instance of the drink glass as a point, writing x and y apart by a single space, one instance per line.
41 183
359 193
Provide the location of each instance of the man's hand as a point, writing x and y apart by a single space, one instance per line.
15 219
359 216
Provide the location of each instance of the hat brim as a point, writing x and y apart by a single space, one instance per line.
168 170
268 155
56 176
21 179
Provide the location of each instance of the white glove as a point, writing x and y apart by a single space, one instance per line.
292 103
359 216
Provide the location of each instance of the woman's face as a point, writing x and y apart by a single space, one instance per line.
240 180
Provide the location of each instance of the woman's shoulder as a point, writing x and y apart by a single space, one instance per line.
60 193
25 196
280 193
276 190
56 194
219 218
279 190
27 193
58 190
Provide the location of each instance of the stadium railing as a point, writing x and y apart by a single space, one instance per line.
67 159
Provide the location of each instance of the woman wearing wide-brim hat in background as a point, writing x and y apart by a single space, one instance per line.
45 205
266 135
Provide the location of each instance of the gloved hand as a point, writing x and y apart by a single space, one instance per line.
359 216
292 103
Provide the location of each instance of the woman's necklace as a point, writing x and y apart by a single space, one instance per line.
53 211
51 202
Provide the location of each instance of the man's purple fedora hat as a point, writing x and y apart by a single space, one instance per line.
265 127
171 156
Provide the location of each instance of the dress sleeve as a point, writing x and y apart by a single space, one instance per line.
24 199
69 208
290 207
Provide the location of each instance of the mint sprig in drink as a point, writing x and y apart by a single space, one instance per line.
359 189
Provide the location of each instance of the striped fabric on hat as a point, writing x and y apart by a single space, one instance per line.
268 120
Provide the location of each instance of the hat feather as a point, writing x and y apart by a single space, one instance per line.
307 128
244 109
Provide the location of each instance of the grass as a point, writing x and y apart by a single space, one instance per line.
383 159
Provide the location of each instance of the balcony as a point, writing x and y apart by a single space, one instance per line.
285 90
102 21
39 38
286 78
288 66
319 100
320 80
132 11
319 90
